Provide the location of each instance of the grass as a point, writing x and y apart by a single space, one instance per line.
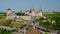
2 16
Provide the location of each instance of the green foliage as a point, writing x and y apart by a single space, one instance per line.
56 17
36 33
22 26
4 31
45 33
15 24
30 11
20 13
46 24
5 22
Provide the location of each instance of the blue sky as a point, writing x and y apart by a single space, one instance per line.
46 5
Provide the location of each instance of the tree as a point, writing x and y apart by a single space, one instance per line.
56 17
45 24
30 11
20 13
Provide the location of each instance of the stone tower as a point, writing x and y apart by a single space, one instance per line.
40 12
9 12
32 11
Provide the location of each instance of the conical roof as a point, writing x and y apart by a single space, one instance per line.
40 10
8 9
32 8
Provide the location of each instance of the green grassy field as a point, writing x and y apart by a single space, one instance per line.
2 16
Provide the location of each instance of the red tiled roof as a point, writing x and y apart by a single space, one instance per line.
34 32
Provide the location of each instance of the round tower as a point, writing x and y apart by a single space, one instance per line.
40 12
9 12
32 11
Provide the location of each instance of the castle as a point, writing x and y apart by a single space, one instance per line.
12 15
35 13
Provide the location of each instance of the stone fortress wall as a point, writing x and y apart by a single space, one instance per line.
12 15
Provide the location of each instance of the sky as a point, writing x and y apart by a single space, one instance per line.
17 5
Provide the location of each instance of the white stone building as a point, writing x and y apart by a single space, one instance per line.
35 13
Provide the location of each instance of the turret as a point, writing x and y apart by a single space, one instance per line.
32 11
9 11
40 12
